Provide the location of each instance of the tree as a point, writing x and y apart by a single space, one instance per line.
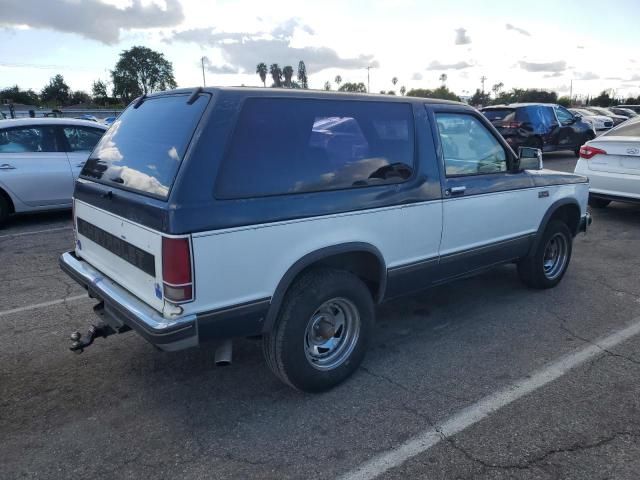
56 91
443 78
303 80
390 92
15 95
327 85
394 80
564 101
602 100
79 97
338 80
141 70
99 90
353 87
479 98
261 69
287 72
276 74
403 90
523 95
440 92
496 89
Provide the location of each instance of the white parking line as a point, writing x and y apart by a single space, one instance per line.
488 405
33 232
41 305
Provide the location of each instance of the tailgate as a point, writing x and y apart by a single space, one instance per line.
127 253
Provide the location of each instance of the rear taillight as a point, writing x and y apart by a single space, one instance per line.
587 151
176 269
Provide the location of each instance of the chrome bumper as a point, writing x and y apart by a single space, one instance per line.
585 222
123 308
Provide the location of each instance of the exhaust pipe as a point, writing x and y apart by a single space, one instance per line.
224 353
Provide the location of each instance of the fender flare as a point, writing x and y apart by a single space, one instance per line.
313 257
547 216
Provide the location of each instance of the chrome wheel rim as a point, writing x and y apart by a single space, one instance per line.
555 256
332 333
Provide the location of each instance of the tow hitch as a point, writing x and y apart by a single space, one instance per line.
95 331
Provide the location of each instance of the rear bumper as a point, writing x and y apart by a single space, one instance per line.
122 308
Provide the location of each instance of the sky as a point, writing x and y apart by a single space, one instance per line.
540 44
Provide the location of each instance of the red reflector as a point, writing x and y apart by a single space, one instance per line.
176 269
587 151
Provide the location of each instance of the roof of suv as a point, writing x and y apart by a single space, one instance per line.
304 93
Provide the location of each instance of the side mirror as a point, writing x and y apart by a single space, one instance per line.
577 116
530 158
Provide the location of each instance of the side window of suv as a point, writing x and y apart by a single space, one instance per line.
468 147
282 146
564 116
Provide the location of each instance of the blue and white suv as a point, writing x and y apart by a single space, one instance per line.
234 212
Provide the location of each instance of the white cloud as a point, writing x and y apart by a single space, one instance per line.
558 66
435 65
461 37
92 19
517 29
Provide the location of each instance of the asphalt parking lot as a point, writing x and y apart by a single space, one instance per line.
481 378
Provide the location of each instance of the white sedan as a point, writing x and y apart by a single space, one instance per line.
599 123
612 163
40 158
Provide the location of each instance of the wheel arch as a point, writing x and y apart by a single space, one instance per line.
565 209
7 198
355 257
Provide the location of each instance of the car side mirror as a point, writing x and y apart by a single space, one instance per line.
577 117
529 158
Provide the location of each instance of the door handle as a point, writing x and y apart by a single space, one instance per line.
6 166
455 190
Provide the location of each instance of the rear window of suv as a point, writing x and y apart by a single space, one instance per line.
144 147
496 114
286 145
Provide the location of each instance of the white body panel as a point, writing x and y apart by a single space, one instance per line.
484 219
618 172
122 272
243 264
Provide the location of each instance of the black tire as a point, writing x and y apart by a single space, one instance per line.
4 210
596 202
286 347
537 270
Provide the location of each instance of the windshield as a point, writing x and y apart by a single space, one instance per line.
144 147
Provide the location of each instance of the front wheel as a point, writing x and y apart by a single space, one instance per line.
322 331
546 265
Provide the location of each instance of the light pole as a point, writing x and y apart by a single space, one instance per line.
368 87
204 83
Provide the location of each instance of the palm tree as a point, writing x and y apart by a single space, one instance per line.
288 74
394 80
327 85
338 80
443 78
276 74
261 69
403 90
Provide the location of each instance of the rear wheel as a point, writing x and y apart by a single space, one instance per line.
322 330
596 202
547 264
4 210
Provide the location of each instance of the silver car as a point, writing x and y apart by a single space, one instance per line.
40 158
